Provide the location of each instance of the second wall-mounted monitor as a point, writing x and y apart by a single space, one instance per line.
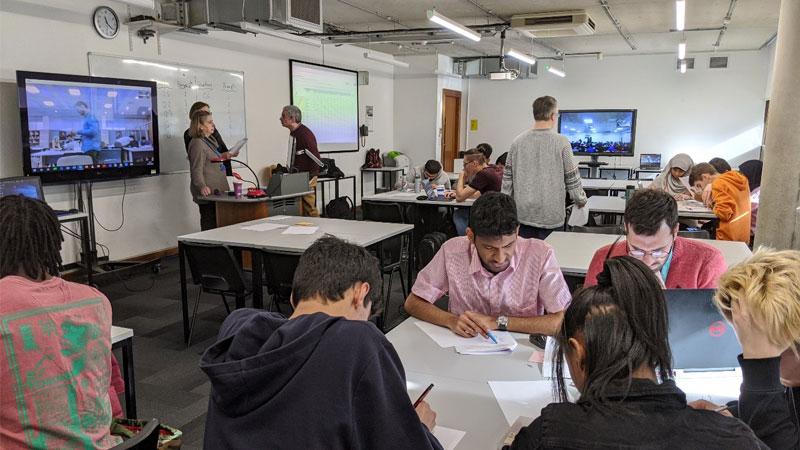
328 99
599 132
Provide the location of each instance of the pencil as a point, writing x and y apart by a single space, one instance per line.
423 395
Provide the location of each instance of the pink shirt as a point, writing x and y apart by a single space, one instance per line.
531 286
55 365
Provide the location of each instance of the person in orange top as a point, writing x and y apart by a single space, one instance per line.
730 199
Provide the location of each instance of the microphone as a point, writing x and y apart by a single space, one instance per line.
239 177
253 192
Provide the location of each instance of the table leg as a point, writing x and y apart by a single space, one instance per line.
130 380
184 298
354 197
86 257
362 185
258 270
411 257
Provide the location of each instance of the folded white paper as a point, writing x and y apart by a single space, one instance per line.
505 344
281 217
547 364
446 338
522 398
448 437
579 217
300 230
265 226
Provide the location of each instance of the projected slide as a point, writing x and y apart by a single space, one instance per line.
328 98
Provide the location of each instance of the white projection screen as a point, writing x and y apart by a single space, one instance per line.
328 99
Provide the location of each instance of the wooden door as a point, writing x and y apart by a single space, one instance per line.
451 124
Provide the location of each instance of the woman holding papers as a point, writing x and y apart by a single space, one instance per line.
187 137
614 340
206 168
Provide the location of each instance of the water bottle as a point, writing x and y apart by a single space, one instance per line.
629 190
417 184
639 185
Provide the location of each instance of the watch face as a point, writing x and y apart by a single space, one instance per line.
106 22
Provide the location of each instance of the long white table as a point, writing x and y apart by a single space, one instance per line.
574 251
611 185
411 198
616 205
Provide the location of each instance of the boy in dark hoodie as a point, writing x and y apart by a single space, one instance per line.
323 378
730 196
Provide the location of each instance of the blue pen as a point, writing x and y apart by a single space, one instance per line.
492 336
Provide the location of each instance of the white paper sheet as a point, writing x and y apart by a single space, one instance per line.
522 398
505 344
547 364
446 338
297 229
717 387
238 146
265 226
281 217
579 217
448 437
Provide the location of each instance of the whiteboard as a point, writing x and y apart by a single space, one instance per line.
179 86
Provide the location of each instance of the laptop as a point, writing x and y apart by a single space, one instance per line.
650 161
700 337
26 186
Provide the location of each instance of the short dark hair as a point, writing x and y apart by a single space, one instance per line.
331 266
647 208
81 102
720 164
30 238
699 169
197 106
493 214
501 160
475 154
433 166
623 320
544 107
486 149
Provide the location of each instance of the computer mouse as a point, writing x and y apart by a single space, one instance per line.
422 197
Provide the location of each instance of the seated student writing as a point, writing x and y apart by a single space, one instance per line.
478 177
759 297
430 173
55 341
730 200
323 378
495 279
614 340
651 235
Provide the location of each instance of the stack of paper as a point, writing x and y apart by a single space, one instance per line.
300 229
477 345
264 226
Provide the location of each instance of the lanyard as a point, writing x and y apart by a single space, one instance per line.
215 150
665 267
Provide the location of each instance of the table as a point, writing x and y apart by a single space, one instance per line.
83 219
616 205
363 233
232 210
601 184
321 182
123 338
574 251
392 171
411 198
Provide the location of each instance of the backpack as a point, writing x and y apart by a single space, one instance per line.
372 159
428 246
330 170
340 208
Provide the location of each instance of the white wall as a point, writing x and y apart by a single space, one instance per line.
56 35
704 113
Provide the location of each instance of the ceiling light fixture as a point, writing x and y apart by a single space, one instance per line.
680 15
682 50
450 24
683 66
556 72
521 56
258 29
385 59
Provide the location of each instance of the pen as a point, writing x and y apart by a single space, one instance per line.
422 396
492 336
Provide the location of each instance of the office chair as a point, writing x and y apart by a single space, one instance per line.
279 271
696 234
146 439
608 229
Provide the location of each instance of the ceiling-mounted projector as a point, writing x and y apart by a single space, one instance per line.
504 75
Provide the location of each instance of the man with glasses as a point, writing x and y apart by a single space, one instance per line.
651 235
495 279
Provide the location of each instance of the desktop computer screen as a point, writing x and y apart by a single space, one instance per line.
26 186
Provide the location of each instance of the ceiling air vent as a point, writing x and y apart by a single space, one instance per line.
554 24
689 63
718 62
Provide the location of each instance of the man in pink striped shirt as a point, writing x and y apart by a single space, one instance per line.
495 279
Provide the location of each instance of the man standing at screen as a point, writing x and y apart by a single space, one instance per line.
539 171
303 143
89 132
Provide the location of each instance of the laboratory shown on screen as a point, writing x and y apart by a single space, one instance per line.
81 128
599 132
328 99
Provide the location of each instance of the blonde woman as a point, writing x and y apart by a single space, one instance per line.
207 175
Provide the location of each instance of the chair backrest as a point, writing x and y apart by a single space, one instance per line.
382 211
146 439
696 234
74 160
214 267
279 271
610 229
110 156
584 172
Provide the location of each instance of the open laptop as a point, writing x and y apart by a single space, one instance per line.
27 186
701 339
650 161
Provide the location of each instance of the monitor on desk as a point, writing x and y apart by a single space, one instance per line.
26 186
650 161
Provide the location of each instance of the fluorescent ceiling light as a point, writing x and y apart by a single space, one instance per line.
683 66
48 103
194 88
74 92
385 59
521 56
32 89
680 15
258 29
437 18
682 50
556 72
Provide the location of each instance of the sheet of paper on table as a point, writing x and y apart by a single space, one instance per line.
265 226
446 338
448 437
300 230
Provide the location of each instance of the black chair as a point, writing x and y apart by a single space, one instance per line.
215 268
392 252
279 271
609 229
146 439
696 234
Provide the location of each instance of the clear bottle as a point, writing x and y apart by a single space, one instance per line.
417 184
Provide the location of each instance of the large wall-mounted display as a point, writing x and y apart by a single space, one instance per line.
603 132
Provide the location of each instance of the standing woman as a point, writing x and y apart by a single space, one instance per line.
669 180
208 177
187 136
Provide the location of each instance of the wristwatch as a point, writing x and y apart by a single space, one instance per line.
502 323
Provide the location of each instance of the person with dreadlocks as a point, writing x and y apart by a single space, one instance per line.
55 340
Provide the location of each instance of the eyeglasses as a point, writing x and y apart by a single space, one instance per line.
639 254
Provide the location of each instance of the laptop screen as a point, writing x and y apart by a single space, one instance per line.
650 160
27 186
701 339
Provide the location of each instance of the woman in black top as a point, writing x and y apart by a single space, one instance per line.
614 339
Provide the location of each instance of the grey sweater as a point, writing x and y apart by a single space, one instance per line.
205 172
539 172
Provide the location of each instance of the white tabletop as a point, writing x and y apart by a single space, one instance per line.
384 169
411 197
603 184
363 233
574 251
616 205
244 199
120 334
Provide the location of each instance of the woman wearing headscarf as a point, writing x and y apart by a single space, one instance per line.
752 170
669 180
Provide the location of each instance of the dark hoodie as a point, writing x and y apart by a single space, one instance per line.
312 382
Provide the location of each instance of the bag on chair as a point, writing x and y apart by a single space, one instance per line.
428 246
339 208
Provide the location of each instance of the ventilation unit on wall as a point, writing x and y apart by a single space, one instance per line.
227 14
689 63
554 24
718 62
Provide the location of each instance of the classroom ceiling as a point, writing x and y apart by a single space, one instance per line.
648 23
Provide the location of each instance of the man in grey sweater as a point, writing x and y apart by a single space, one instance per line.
539 171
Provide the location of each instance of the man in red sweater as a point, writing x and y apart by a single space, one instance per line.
651 235
303 139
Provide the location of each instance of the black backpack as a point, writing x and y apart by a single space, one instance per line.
330 170
340 208
428 246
